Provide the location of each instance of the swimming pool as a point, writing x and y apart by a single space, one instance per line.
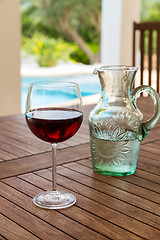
89 85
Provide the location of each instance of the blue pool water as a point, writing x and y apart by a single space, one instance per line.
89 85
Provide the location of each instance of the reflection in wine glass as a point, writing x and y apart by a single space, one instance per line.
54 114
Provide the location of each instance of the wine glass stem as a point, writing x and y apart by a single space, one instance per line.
54 179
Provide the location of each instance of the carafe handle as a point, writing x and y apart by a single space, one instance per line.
149 124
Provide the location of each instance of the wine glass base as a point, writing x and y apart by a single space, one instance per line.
54 200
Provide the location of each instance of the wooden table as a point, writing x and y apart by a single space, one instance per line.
106 208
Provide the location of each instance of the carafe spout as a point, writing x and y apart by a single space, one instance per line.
116 81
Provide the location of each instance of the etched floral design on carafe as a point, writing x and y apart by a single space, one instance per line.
116 124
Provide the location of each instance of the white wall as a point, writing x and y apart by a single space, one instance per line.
117 30
10 32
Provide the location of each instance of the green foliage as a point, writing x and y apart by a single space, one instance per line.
48 51
94 47
82 16
146 42
150 10
31 21
154 12
89 34
79 56
60 18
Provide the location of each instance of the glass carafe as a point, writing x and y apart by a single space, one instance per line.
116 124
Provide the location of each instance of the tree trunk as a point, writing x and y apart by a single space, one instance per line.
69 33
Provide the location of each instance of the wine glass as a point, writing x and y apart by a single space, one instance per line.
54 114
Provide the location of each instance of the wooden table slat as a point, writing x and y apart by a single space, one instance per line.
2 238
104 199
72 228
11 230
109 190
30 222
114 208
149 159
89 206
19 141
122 184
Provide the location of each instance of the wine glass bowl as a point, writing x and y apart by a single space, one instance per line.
54 114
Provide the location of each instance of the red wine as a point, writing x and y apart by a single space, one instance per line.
54 124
